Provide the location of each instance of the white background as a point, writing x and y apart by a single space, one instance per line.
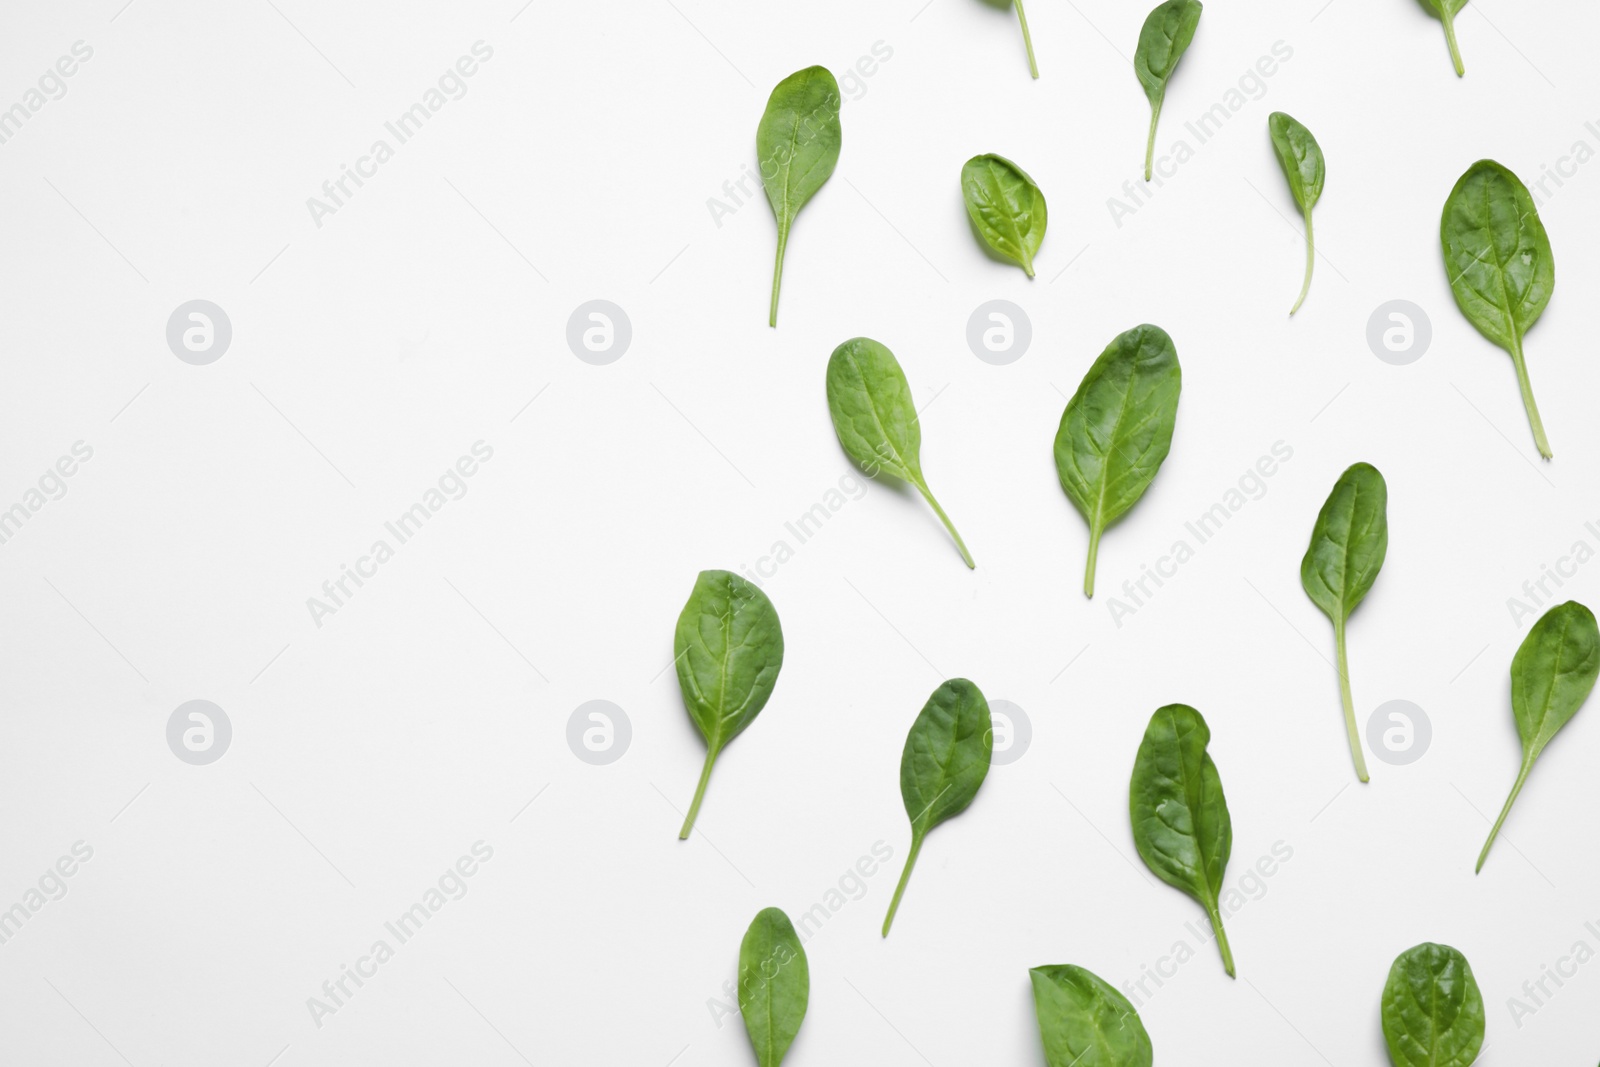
369 353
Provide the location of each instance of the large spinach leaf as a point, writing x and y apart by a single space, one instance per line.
1163 39
1301 159
774 985
1006 207
1084 1022
1432 1010
797 144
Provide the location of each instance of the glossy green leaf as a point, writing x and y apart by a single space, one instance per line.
1347 548
1552 675
1084 1022
798 146
944 762
1432 1010
1163 39
774 985
1447 11
1006 207
1117 429
1301 159
870 401
1180 817
728 649
1501 268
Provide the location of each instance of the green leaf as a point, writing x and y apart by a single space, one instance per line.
1180 817
1501 268
1301 159
1163 39
1117 429
1552 675
1006 207
1084 1022
728 649
1432 1010
1447 11
774 985
870 402
1347 548
798 146
944 762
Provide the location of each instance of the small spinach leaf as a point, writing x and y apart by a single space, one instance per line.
728 648
1552 675
870 402
1006 207
774 985
1432 1010
1301 159
944 762
1117 429
797 143
1501 268
1347 548
1447 11
1163 39
1084 1022
1180 817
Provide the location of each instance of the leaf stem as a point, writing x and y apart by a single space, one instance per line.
1094 553
777 272
927 495
1150 145
1526 386
1311 259
1027 39
905 876
1455 50
1349 704
699 795
1222 939
1522 776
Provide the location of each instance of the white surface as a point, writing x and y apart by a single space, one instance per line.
372 752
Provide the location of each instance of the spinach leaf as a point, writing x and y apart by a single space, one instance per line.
1301 159
728 649
1552 675
870 402
1180 817
944 762
1006 207
1432 1010
1500 264
774 985
1447 11
1117 429
1085 1022
1163 39
798 146
1347 547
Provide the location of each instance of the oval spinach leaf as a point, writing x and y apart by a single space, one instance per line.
1501 268
1006 207
797 143
774 985
1347 548
1432 1010
1447 11
870 402
944 762
1085 1022
1117 429
1163 39
1180 817
1301 159
728 648
1552 675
